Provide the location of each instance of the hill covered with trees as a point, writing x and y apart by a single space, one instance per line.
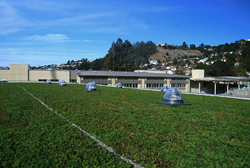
223 60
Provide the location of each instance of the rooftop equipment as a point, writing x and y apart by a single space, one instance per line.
48 81
94 83
118 85
91 86
164 88
62 83
173 97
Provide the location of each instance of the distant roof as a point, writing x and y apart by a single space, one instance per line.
129 74
154 70
222 78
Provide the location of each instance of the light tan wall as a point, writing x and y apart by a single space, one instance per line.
35 75
19 72
143 84
78 79
198 73
188 86
167 82
5 74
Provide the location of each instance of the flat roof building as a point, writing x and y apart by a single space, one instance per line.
146 80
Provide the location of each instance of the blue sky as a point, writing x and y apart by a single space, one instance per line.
42 32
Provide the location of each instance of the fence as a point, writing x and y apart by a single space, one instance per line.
242 92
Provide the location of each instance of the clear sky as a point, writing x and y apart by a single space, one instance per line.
42 32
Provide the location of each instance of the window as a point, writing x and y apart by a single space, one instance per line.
179 85
130 85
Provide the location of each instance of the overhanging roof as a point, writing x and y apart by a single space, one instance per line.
129 74
222 79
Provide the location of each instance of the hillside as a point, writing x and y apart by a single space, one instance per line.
173 53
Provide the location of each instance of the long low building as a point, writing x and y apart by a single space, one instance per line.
19 72
136 79
149 80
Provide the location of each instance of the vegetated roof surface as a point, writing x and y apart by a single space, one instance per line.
212 132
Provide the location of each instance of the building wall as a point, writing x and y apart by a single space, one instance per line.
197 73
73 76
36 75
5 74
206 87
19 72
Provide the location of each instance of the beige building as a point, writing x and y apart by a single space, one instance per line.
146 80
216 85
21 72
141 79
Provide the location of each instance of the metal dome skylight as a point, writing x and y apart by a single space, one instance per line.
173 97
94 83
118 85
48 81
91 86
164 88
62 83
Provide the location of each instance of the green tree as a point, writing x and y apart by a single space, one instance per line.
244 58
174 61
184 45
120 56
192 46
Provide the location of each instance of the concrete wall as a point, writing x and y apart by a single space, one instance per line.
197 73
73 75
19 72
207 87
5 74
35 75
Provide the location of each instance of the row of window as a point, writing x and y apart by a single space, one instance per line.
52 80
178 85
154 85
130 85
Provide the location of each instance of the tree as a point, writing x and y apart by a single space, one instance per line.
174 61
97 64
184 45
201 45
244 58
120 56
85 65
192 46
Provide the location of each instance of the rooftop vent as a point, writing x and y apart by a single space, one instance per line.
164 88
118 85
48 81
173 97
62 83
91 86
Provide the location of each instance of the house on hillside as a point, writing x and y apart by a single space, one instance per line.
154 62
